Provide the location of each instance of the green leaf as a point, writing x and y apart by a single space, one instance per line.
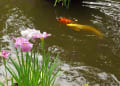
1 84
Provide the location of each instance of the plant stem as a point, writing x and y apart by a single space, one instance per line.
4 62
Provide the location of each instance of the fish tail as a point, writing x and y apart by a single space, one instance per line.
92 29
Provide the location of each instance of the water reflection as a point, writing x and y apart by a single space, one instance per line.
15 22
80 75
86 59
109 22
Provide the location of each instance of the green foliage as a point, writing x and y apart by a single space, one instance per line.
1 84
65 3
28 71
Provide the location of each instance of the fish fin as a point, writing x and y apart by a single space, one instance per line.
92 29
76 29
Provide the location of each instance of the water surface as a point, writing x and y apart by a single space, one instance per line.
85 57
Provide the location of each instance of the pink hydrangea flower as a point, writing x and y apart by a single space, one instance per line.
19 41
26 46
28 33
4 53
41 35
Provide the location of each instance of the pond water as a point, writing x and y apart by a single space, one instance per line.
85 57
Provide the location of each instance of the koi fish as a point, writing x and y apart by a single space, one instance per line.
65 20
78 27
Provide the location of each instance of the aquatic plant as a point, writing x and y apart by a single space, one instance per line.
27 70
4 53
23 43
1 84
65 3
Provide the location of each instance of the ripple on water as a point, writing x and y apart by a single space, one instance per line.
108 20
15 20
80 75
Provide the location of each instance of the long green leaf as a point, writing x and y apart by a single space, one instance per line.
1 84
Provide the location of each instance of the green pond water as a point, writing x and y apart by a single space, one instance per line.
85 58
